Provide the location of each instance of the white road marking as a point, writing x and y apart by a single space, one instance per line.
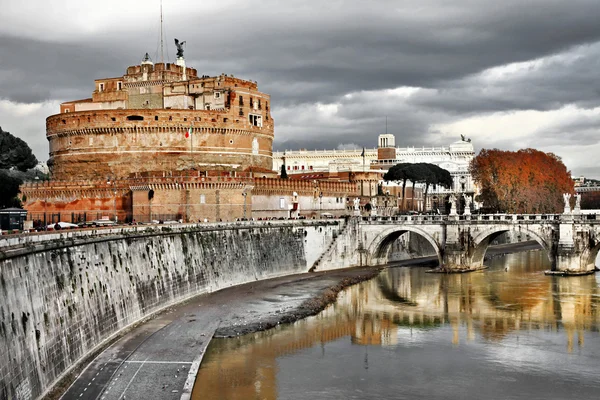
131 380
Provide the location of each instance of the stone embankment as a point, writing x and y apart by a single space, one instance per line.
67 294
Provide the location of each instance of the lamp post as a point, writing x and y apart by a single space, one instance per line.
320 201
245 195
113 183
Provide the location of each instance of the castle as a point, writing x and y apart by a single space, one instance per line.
162 143
162 117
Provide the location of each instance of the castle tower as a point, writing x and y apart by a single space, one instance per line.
162 117
386 149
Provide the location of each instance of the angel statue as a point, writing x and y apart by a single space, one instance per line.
179 46
567 198
468 200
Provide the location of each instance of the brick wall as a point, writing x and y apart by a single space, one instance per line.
97 144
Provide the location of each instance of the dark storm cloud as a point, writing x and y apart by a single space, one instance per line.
343 53
374 47
548 85
335 47
32 70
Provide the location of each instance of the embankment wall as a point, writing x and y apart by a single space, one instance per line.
63 295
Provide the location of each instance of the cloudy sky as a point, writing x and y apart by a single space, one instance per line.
508 74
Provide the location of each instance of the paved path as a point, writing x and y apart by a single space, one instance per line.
159 359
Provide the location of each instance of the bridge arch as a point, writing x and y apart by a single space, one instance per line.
590 253
482 240
380 245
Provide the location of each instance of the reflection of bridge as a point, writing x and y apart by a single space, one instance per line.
460 242
380 312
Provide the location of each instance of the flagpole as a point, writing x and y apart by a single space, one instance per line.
363 156
192 143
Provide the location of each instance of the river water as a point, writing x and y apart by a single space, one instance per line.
509 332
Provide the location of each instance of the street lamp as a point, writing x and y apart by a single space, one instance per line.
113 183
245 195
320 201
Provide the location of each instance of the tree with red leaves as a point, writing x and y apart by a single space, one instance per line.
527 181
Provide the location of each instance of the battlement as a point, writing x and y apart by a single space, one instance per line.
95 121
159 71
270 185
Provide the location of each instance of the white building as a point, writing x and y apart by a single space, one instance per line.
455 158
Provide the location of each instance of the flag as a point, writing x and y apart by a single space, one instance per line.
188 133
363 153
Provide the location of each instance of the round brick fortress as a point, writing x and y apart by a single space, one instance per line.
116 143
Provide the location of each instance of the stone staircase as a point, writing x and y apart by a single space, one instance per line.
335 235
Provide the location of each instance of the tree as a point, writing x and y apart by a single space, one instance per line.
15 153
429 174
435 175
284 174
10 189
525 181
397 174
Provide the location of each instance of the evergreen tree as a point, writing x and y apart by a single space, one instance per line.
15 154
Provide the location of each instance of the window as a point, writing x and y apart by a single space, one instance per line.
255 120
303 168
119 85
281 202
67 110
241 101
217 95
259 104
156 117
101 87
135 118
251 103
202 199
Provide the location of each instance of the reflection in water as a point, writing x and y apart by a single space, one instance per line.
408 334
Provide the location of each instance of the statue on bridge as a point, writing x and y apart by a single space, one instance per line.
374 206
567 199
356 206
468 201
577 208
452 201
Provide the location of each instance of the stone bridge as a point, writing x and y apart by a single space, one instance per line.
460 242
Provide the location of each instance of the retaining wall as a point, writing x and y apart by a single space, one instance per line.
64 294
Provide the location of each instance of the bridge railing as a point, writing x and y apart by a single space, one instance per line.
480 218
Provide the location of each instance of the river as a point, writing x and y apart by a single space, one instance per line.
509 332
